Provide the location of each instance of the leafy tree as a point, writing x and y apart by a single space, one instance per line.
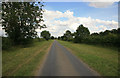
68 35
52 37
59 38
62 37
81 33
45 34
20 19
6 43
55 38
118 31
110 39
94 34
114 31
105 33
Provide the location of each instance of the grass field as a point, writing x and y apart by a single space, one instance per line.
103 60
24 61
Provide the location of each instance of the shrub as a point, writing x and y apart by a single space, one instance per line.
6 43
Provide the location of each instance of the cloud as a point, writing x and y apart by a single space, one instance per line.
100 0
50 15
100 4
58 27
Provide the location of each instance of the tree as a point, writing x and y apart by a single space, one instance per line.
81 33
45 34
59 38
52 37
62 37
94 34
20 19
68 35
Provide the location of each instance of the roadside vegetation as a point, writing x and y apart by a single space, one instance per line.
82 35
26 61
102 59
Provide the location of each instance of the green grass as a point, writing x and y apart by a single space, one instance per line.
24 61
103 60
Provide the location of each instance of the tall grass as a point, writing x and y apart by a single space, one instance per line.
24 61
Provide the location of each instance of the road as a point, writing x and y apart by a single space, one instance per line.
61 62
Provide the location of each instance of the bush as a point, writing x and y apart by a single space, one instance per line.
6 43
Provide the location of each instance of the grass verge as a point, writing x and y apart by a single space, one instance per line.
24 61
103 60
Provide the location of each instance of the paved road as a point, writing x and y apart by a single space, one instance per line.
60 62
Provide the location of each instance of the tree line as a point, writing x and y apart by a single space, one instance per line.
82 35
21 19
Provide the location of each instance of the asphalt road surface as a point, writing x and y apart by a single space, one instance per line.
60 62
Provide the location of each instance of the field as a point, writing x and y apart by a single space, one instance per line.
24 61
102 59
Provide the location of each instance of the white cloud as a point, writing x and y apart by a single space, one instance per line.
100 4
58 27
100 0
50 15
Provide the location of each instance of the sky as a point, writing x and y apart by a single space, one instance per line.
96 16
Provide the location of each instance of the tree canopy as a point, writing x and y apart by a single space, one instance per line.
45 34
20 19
52 37
81 33
68 35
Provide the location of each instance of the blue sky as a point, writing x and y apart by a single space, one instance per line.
82 9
